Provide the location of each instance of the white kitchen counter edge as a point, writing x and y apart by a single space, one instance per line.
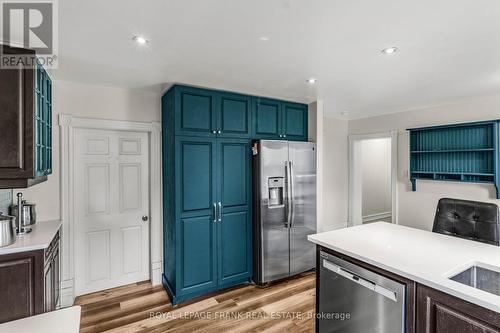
38 239
441 283
60 321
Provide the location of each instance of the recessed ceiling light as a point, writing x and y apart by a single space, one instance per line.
311 80
390 50
264 38
140 40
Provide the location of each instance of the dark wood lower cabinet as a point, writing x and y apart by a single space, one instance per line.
29 282
438 312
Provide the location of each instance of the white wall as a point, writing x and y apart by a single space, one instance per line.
334 172
376 176
87 101
416 209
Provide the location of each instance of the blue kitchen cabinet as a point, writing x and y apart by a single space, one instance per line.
234 227
213 113
294 121
208 234
274 119
206 202
234 115
267 118
195 179
195 113
209 113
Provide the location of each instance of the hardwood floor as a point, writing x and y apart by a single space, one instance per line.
284 307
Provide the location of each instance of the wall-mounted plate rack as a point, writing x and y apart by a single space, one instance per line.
459 152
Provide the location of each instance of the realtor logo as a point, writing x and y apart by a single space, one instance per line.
31 25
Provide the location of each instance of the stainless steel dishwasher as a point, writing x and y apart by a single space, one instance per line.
355 300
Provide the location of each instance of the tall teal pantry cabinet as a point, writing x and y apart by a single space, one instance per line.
207 183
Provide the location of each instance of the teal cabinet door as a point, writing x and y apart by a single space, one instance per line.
266 118
294 124
234 227
195 180
197 255
195 111
43 123
234 115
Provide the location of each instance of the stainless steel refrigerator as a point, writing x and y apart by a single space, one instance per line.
284 202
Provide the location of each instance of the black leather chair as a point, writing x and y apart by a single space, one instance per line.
468 219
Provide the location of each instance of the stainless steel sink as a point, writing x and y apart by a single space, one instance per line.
480 278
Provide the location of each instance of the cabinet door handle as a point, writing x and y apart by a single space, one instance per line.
214 131
219 131
215 212
220 211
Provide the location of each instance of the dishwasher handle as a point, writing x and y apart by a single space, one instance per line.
390 294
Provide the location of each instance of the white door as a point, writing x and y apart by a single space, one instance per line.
111 184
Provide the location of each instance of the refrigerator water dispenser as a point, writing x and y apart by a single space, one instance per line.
275 192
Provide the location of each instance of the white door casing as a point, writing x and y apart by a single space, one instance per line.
111 197
69 125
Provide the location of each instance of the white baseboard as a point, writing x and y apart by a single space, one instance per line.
378 216
67 294
156 272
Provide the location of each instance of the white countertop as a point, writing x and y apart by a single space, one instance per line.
39 238
61 321
425 257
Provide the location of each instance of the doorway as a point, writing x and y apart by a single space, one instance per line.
147 136
372 178
111 209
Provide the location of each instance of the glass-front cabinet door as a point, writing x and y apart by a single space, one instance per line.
43 123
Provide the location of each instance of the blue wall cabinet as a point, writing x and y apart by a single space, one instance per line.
267 118
209 113
462 153
234 115
212 113
26 123
279 120
195 111
294 121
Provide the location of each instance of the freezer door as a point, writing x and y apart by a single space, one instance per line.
273 228
302 157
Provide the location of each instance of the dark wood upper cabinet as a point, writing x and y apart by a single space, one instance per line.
25 124
438 312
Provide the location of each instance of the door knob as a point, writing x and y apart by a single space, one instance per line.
145 218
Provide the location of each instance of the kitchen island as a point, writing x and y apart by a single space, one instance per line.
424 262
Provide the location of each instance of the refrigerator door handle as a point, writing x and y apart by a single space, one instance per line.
288 194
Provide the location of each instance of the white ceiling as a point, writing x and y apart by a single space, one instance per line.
448 49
